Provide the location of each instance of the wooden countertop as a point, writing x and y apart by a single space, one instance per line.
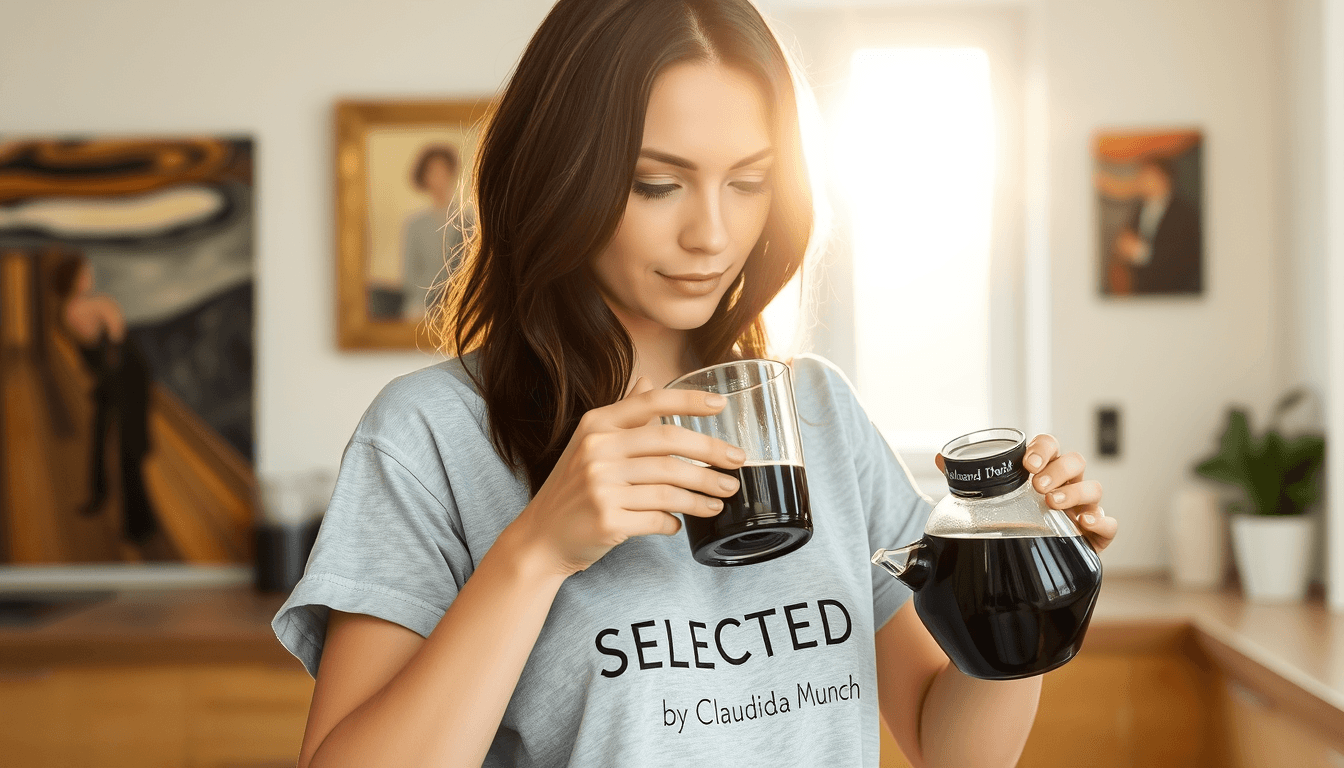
224 624
1295 651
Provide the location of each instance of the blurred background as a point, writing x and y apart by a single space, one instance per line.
1117 221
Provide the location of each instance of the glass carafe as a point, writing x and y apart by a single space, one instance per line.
1004 583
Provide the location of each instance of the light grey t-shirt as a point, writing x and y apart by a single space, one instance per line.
647 657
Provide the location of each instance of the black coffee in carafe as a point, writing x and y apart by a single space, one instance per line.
1006 606
1005 584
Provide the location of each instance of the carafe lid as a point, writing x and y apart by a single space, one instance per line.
985 463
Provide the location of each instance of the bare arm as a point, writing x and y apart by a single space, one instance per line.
940 717
386 697
444 705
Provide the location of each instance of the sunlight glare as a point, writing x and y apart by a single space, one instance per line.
914 148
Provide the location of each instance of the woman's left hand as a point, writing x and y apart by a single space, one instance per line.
1060 478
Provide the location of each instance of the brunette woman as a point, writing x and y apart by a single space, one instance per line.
500 578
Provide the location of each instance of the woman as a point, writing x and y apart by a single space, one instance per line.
641 196
122 383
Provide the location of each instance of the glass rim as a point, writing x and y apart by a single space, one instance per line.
775 369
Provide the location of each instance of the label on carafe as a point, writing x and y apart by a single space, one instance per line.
985 463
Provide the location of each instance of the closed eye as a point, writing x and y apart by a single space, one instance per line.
654 191
751 187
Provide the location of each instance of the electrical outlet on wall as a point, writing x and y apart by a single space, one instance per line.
1108 431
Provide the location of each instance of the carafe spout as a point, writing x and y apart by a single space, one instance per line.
905 564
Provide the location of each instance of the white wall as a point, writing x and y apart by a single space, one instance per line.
1332 96
1173 365
272 70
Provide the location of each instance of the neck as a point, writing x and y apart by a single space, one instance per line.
661 354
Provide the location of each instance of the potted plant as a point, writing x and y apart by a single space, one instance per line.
1279 478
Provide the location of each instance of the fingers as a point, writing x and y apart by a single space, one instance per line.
654 523
669 498
669 470
1040 451
1099 529
1063 470
645 403
1086 492
672 440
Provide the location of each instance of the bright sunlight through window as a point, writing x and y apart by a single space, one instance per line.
914 147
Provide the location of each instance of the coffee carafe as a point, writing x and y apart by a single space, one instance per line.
1004 583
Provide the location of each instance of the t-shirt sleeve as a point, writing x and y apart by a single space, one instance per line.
894 509
388 547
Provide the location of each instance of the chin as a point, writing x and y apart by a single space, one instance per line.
686 318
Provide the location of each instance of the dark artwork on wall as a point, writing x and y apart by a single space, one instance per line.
1150 213
128 282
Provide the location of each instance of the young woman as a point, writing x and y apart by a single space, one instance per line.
499 579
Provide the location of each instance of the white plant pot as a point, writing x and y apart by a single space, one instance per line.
1273 556
1198 537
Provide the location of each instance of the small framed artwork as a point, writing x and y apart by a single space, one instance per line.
1150 213
402 211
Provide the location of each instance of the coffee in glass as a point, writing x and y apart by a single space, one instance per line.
770 514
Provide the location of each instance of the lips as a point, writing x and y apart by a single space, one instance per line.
694 277
693 284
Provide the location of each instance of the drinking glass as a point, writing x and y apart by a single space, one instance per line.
769 516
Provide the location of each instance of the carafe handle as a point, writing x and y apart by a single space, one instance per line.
905 564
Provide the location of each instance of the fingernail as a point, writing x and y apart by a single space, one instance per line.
1044 481
715 504
1033 461
1089 520
737 454
728 483
1058 497
714 401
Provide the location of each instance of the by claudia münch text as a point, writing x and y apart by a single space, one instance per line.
715 712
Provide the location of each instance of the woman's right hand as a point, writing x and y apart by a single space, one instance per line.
620 477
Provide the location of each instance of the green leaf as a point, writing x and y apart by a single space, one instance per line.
1229 465
1278 476
1265 474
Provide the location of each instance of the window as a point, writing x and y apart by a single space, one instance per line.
914 157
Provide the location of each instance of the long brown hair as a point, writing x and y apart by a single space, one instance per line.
552 178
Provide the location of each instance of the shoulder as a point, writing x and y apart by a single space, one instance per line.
815 376
818 371
823 392
432 407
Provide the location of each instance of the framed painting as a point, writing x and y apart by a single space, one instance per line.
1150 212
402 211
126 329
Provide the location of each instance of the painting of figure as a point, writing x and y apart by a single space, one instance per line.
407 275
1150 213
403 195
127 282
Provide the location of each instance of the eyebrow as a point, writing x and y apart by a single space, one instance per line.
681 162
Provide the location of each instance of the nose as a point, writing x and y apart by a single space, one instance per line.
705 230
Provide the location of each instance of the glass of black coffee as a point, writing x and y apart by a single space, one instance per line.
769 515
1004 583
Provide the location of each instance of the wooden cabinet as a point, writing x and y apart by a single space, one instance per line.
1171 696
146 716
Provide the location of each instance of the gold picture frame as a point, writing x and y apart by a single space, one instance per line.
392 159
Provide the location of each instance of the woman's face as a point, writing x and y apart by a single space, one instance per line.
699 201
